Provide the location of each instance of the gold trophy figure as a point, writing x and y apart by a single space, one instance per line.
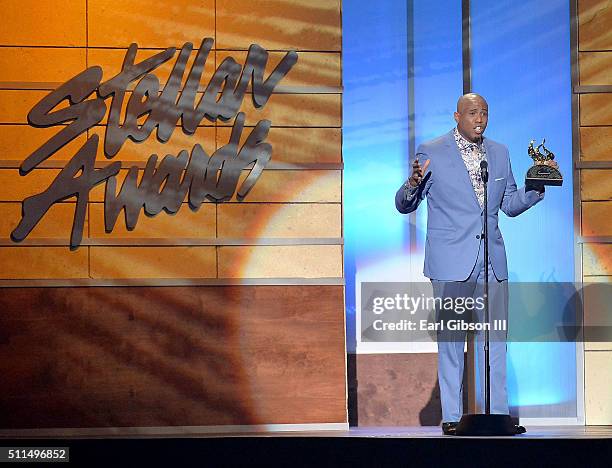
545 170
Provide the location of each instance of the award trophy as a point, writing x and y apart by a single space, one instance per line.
544 170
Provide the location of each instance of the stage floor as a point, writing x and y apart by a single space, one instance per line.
356 447
533 432
407 432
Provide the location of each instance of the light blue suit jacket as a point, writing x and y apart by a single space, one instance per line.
454 217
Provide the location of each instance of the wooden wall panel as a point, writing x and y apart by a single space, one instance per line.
56 224
297 186
40 64
594 19
298 145
596 109
597 291
273 186
594 68
597 259
14 187
43 263
132 152
597 218
298 24
296 110
595 143
283 110
113 357
184 224
281 261
171 356
594 38
19 141
597 376
595 184
15 105
289 220
316 69
111 61
395 390
43 23
150 23
153 262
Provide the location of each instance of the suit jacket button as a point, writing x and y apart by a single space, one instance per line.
478 236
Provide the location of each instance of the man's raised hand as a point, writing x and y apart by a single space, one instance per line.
418 172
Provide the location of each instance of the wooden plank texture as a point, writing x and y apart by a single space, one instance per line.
597 260
149 23
43 263
184 224
273 186
153 262
15 105
595 143
594 19
596 109
57 223
17 142
298 24
111 61
40 64
236 220
597 218
43 23
595 184
595 68
184 356
295 110
597 376
298 145
281 261
313 69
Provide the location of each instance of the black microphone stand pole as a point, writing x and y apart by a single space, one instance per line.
486 424
485 233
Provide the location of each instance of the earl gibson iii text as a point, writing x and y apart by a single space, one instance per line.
195 175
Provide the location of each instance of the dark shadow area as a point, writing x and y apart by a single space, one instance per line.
431 413
353 387
328 451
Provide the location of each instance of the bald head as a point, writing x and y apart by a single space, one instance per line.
468 99
472 116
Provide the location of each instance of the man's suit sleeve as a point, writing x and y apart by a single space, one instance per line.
407 198
516 201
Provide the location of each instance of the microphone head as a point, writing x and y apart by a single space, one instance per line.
484 165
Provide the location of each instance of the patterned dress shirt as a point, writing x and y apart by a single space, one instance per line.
472 154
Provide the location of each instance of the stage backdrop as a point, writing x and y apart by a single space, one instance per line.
230 315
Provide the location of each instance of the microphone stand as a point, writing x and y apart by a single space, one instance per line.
486 424
484 172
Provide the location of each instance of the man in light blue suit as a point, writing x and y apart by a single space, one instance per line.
451 180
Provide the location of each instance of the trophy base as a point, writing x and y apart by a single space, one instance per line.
541 174
542 181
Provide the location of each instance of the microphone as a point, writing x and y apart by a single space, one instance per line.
484 170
